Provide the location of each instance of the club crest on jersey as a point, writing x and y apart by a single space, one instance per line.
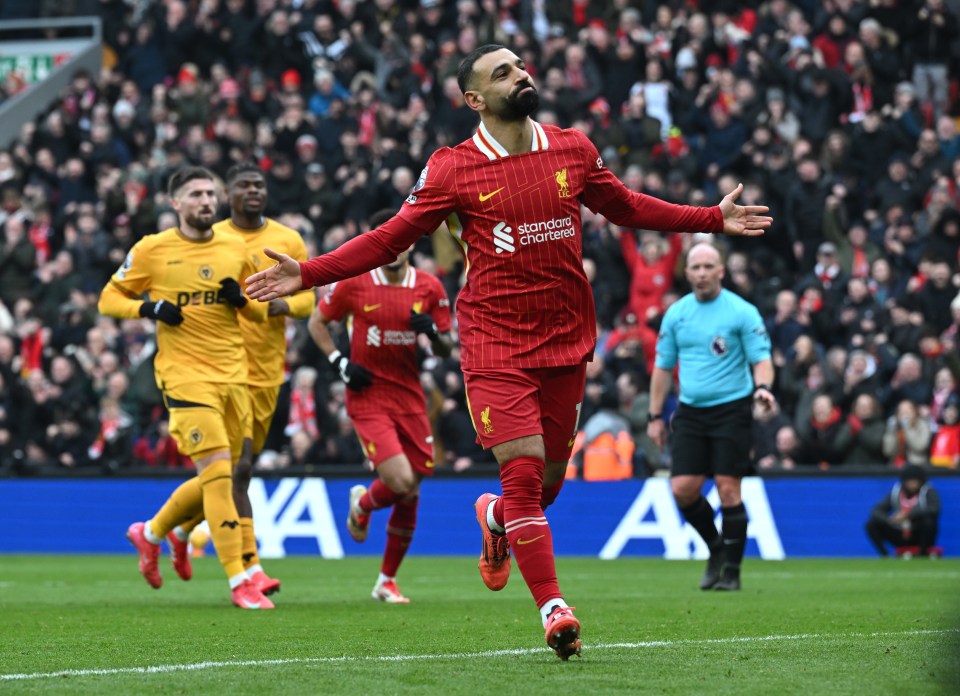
485 419
561 177
718 346
195 436
206 272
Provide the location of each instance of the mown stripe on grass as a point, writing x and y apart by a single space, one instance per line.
197 666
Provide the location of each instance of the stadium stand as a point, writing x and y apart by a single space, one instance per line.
841 115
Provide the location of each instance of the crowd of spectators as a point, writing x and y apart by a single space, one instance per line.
841 115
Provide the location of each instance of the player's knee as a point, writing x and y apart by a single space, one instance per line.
404 484
729 496
684 493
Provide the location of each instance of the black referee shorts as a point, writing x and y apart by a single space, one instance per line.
712 440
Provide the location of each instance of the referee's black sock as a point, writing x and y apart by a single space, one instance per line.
700 515
734 533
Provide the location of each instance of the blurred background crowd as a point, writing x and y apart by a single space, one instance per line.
841 115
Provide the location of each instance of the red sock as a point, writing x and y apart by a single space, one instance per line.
527 530
403 520
549 494
377 497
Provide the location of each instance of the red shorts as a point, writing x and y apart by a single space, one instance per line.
385 435
508 404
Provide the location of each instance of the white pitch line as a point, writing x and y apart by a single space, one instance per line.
197 666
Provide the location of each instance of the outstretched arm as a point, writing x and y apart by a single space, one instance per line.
604 193
631 209
359 255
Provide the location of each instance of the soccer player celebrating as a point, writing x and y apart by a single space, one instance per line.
387 308
265 344
723 350
188 275
511 197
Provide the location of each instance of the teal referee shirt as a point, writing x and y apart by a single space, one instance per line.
716 343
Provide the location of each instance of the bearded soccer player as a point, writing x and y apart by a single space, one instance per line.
511 197
188 275
266 346
386 309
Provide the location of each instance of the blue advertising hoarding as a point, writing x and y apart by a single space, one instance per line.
789 518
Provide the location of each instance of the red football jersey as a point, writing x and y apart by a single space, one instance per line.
526 302
378 320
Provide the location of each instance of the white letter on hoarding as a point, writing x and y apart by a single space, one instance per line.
294 497
667 525
680 540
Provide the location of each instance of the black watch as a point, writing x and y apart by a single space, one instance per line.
654 417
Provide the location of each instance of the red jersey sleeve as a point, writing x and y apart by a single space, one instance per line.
439 305
604 193
362 253
335 303
434 197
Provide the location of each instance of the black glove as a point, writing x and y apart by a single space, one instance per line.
424 324
161 310
356 377
232 293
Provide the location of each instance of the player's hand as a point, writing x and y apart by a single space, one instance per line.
764 397
657 431
424 324
355 376
743 220
278 308
231 292
277 281
161 310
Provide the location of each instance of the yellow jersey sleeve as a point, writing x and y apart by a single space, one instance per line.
122 295
266 342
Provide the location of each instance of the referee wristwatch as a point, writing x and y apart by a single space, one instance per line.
654 417
765 387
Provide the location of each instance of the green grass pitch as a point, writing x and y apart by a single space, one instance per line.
91 625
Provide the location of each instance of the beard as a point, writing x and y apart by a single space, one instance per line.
201 221
520 104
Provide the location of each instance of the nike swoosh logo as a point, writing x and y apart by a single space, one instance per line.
371 307
522 542
251 605
572 443
487 196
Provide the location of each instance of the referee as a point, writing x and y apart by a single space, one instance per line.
723 351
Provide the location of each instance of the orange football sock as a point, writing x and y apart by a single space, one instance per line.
221 513
182 505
